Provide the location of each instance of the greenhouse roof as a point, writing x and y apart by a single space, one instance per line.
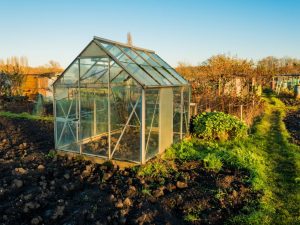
144 65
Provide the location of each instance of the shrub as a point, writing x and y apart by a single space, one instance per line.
218 126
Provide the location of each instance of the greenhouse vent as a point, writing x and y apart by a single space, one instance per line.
120 102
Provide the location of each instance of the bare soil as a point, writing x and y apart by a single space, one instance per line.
39 187
292 123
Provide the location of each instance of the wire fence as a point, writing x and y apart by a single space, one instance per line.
246 108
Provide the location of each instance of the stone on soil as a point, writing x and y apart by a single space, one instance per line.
181 185
17 183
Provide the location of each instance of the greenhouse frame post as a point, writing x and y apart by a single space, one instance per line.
54 114
143 129
189 111
181 111
108 111
79 109
94 115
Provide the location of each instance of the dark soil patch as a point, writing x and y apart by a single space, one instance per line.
38 187
290 101
292 123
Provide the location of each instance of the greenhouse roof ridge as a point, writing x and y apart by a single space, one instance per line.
122 44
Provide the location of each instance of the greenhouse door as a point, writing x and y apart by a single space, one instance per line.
67 119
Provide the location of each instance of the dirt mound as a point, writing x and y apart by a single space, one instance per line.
39 187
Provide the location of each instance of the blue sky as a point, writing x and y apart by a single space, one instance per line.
189 31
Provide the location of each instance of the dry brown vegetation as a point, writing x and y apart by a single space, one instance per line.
14 69
224 83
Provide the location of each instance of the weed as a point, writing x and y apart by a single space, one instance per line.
154 169
51 154
212 162
191 217
146 191
220 195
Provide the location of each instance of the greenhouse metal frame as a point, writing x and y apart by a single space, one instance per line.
118 101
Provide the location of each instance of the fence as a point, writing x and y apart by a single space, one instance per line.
243 108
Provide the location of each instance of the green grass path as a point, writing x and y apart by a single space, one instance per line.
282 160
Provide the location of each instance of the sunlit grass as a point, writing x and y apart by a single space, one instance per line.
279 171
272 162
24 115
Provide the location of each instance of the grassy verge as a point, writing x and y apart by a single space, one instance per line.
272 162
25 116
280 170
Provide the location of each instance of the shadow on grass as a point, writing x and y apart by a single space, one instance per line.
284 169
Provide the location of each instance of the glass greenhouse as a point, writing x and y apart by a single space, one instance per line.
119 102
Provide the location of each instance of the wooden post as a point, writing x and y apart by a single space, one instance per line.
241 112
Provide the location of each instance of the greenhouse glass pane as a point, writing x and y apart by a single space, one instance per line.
121 78
116 52
93 121
93 70
157 76
169 68
115 70
86 113
134 56
177 76
176 114
168 76
185 125
152 123
141 76
125 121
148 58
159 60
66 120
71 75
138 74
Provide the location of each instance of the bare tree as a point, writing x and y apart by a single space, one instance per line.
15 69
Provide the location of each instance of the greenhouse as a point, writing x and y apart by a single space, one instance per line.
118 101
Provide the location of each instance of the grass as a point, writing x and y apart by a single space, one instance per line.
154 169
280 202
273 164
25 115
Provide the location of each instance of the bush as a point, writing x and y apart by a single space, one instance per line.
218 126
